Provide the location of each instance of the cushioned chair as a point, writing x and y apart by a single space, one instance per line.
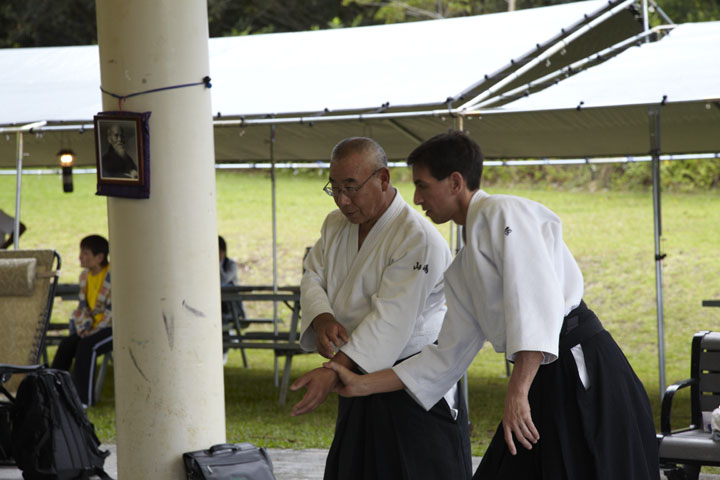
27 288
684 451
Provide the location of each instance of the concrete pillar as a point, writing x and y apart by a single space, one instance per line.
164 250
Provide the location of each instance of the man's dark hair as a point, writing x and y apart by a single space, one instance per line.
96 244
222 246
450 152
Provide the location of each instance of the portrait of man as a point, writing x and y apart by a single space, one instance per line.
117 159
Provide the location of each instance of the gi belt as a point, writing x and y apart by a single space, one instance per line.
579 325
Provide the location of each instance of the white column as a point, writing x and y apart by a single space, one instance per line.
164 250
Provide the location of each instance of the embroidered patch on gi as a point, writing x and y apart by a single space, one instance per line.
507 231
424 268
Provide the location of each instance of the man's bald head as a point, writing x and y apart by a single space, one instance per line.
367 147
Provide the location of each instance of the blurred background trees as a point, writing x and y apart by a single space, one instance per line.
41 23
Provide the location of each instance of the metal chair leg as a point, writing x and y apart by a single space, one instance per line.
101 375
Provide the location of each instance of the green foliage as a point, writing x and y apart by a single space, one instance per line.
35 23
691 174
682 11
230 17
395 11
675 175
403 11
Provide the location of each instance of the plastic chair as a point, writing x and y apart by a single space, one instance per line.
684 451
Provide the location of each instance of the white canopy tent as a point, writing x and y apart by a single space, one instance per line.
604 111
291 79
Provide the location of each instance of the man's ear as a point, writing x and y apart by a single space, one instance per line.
457 182
384 176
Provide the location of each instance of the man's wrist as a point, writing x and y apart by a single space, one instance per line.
334 379
321 318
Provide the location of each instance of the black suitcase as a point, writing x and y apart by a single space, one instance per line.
229 461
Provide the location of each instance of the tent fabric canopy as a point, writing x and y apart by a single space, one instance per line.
394 68
604 110
684 66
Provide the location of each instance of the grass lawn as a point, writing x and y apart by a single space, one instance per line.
610 233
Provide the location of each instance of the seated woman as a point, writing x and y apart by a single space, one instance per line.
228 276
92 319
228 267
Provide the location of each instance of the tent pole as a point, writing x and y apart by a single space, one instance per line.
460 127
18 188
274 224
274 243
452 233
646 23
654 114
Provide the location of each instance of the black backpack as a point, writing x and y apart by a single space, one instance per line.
52 438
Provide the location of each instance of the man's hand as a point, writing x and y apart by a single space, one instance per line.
330 334
354 385
319 383
350 384
517 419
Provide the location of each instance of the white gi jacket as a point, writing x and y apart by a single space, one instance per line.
388 295
512 284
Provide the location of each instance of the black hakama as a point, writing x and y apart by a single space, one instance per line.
389 436
603 433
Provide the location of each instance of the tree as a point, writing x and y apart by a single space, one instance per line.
36 23
393 11
232 17
682 11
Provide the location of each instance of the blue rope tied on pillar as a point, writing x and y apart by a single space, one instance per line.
121 98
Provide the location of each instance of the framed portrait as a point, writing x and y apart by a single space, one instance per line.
122 150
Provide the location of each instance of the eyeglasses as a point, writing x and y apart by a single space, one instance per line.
349 191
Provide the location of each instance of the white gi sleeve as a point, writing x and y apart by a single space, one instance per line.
525 240
313 293
428 375
406 291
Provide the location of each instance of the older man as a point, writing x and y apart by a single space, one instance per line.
372 296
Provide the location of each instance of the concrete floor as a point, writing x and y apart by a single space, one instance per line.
287 465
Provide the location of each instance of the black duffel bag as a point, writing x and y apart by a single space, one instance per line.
227 461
